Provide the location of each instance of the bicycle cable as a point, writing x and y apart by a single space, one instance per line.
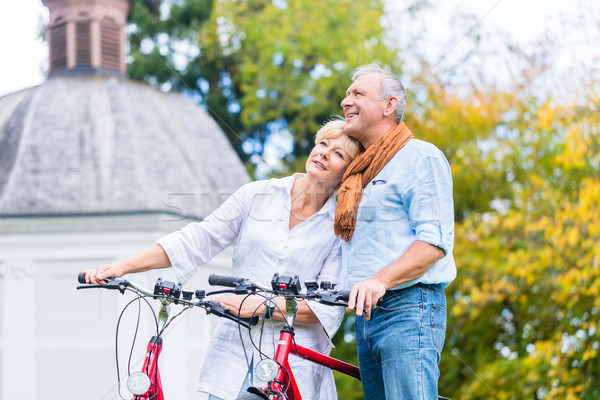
259 347
136 299
249 327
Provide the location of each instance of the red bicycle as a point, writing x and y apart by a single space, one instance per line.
146 384
276 372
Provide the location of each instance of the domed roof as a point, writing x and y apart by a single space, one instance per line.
101 144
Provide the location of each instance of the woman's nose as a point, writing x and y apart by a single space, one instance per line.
324 152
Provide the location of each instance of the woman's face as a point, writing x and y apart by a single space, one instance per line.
328 160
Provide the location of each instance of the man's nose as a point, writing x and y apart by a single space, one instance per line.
344 102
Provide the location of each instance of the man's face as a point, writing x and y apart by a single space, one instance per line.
362 106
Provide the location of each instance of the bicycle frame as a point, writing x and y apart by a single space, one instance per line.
150 366
284 383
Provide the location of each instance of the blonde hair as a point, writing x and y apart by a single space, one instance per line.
333 129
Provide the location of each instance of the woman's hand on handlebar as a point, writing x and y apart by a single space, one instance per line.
244 308
98 275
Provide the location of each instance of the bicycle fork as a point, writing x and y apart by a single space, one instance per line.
147 385
283 385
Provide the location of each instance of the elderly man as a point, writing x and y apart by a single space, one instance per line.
395 214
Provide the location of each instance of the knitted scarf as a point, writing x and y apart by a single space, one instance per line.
362 170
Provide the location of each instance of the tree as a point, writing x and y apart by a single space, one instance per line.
526 302
262 65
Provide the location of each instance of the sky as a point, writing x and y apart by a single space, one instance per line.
440 34
22 53
561 34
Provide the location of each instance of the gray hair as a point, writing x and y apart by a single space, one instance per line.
390 87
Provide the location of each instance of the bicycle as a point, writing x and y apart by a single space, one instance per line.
276 372
146 384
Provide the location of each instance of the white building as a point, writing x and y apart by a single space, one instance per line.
94 168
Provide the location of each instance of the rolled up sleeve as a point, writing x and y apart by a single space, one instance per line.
430 204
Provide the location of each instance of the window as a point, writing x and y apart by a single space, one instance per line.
83 55
58 47
110 44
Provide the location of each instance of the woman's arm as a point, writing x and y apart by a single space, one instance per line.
255 306
153 258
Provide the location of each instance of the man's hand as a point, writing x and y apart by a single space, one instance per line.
365 295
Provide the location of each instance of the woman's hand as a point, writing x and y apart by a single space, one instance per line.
244 308
256 306
98 275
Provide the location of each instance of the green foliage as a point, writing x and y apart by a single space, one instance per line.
259 61
466 130
524 320
292 61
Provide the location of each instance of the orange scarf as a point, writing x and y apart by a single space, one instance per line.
362 170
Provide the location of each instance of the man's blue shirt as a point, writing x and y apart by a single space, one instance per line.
409 200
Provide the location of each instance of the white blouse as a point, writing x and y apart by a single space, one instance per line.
258 216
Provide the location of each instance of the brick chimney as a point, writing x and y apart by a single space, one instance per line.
87 36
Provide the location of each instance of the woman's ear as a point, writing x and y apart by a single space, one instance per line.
390 106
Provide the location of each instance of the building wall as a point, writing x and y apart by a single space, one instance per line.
57 342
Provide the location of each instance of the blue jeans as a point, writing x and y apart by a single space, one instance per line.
399 347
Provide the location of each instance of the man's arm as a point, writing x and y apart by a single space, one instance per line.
414 263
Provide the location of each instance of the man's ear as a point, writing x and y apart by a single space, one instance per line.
390 106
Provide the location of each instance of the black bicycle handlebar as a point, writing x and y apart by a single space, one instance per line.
241 286
211 307
224 280
214 307
282 285
343 295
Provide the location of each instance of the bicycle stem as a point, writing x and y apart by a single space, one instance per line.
163 314
291 308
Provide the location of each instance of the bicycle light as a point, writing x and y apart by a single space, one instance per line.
138 383
266 370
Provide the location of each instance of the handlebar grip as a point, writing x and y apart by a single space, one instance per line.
224 280
81 278
343 295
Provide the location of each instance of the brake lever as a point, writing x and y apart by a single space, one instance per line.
331 299
214 307
338 298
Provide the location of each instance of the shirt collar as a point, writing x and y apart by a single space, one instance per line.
287 182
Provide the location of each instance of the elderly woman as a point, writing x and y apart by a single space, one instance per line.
281 225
